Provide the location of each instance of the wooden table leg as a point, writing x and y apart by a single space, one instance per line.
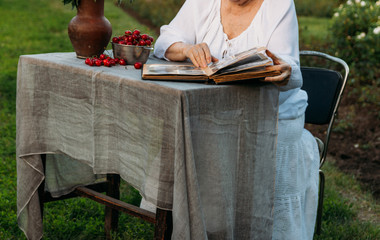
41 188
112 215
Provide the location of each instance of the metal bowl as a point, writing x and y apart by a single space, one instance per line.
130 53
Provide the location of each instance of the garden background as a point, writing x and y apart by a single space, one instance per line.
347 29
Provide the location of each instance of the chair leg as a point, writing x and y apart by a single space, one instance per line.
164 225
320 201
111 215
163 221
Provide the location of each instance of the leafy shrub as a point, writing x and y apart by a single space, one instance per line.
158 12
356 39
321 8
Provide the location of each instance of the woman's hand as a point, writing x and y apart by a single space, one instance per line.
279 65
199 54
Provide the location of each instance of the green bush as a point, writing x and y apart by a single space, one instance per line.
356 39
321 8
158 12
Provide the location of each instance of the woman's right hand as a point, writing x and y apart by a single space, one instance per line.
199 54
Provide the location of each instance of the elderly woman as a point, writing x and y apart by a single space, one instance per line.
207 30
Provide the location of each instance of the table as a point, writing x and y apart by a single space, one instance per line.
206 152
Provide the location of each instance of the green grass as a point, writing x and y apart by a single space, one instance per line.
39 26
349 212
314 32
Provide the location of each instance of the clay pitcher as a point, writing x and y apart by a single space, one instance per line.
89 31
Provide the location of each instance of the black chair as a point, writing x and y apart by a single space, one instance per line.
324 88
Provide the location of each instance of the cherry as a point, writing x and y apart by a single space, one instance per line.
88 61
105 60
134 38
98 62
138 65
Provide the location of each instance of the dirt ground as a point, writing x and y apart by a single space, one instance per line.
357 148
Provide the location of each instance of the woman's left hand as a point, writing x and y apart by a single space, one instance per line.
279 65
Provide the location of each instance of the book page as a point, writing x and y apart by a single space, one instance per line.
172 69
247 66
253 54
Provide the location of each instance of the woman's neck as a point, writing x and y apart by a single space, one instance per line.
242 3
238 7
237 15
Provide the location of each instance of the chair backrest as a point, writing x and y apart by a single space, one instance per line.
323 88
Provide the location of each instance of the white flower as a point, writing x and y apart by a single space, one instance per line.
361 35
376 30
349 2
357 1
362 3
378 3
336 14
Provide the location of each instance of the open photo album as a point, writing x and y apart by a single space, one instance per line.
247 65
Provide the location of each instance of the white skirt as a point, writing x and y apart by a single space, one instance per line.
296 187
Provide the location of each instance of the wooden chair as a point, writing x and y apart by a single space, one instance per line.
162 219
324 88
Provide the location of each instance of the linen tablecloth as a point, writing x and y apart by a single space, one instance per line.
206 152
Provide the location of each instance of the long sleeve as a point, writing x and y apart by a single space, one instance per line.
189 25
283 39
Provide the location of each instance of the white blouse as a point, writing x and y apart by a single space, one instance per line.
275 26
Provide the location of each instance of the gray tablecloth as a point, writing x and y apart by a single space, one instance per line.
207 152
